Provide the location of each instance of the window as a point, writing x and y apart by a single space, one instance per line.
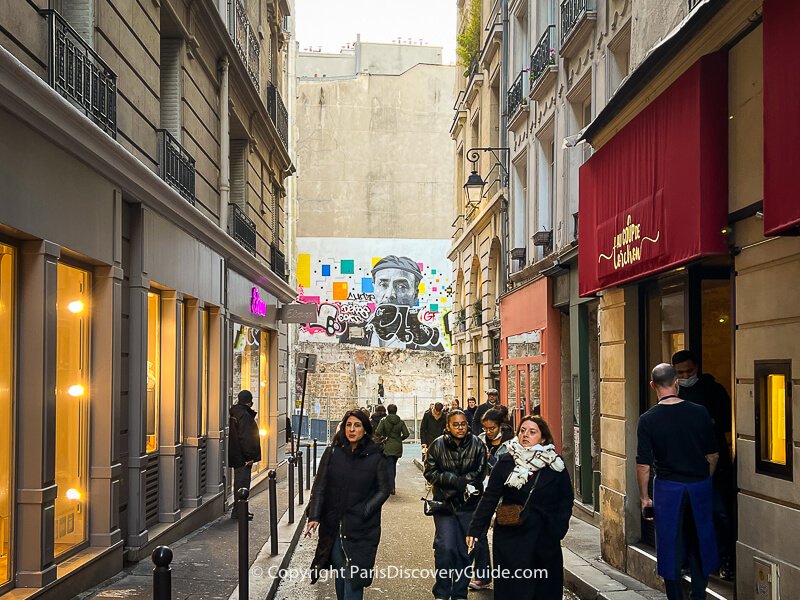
204 376
72 408
80 15
246 374
7 289
511 381
619 54
665 331
170 86
263 402
180 339
773 413
536 393
153 370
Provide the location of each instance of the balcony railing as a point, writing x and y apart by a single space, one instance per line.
278 114
515 95
572 11
544 55
278 262
76 72
693 3
175 166
242 229
246 41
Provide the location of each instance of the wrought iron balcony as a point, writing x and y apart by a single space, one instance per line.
242 229
572 11
175 166
278 262
543 56
245 40
76 72
278 114
516 96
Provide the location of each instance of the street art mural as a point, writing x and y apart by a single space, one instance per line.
372 292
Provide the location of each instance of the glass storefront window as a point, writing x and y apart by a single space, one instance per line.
666 326
536 387
773 387
153 369
523 391
524 344
181 339
246 353
263 402
72 407
511 381
204 377
6 408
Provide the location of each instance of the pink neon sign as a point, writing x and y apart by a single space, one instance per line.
257 305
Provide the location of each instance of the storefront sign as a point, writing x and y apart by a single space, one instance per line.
297 312
257 305
655 196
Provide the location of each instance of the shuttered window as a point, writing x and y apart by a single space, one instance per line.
170 80
239 173
80 15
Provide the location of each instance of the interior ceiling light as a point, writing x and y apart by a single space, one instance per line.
76 390
75 306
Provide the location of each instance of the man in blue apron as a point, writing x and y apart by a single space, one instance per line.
677 438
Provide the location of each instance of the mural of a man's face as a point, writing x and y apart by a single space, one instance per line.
395 286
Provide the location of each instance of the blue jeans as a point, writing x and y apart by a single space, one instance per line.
450 555
483 561
391 466
688 550
344 589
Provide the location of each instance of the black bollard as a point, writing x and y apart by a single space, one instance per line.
315 457
244 544
308 467
273 513
291 489
300 477
162 574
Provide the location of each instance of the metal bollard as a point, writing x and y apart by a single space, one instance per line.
273 513
308 467
244 543
315 457
300 477
291 489
162 574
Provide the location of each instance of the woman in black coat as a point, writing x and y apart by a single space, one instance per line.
531 551
351 486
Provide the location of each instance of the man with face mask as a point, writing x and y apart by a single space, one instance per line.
703 389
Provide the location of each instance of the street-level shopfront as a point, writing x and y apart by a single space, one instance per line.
530 363
654 247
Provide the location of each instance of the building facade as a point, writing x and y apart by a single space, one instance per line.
142 239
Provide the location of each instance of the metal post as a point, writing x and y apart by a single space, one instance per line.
244 544
416 419
273 513
291 489
315 457
308 466
300 477
162 574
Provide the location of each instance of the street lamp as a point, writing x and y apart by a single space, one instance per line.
474 188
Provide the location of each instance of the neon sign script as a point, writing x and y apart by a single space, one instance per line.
627 245
257 305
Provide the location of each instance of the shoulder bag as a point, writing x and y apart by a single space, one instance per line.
510 515
432 507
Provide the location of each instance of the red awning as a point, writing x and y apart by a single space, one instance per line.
781 111
655 196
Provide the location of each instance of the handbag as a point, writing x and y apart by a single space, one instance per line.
510 515
432 507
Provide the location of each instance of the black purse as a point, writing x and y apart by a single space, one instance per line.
432 507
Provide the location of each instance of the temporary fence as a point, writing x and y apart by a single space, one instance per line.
323 413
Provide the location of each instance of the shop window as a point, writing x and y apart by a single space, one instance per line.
204 376
153 369
72 408
534 379
773 413
7 258
263 401
665 331
246 373
181 343
523 391
511 381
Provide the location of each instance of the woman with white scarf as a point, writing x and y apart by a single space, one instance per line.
528 555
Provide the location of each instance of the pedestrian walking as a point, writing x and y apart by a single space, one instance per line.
432 425
536 495
677 437
703 389
492 400
349 491
244 444
455 466
472 404
394 430
378 414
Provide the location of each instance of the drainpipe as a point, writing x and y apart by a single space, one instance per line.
504 153
224 146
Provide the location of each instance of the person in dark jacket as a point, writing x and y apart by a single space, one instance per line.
455 466
472 404
349 491
531 471
244 444
703 389
492 401
377 416
432 425
394 430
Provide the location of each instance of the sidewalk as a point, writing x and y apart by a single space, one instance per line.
205 562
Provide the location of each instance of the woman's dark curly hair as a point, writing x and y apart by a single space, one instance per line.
339 439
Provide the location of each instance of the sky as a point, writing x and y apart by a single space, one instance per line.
331 24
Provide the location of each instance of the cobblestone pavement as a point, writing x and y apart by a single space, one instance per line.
406 542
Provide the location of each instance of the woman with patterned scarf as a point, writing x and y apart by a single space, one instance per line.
528 555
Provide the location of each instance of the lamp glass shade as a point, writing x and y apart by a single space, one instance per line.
474 188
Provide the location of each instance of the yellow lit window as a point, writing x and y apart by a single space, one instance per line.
153 369
204 378
6 409
773 412
181 368
263 401
775 450
72 407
